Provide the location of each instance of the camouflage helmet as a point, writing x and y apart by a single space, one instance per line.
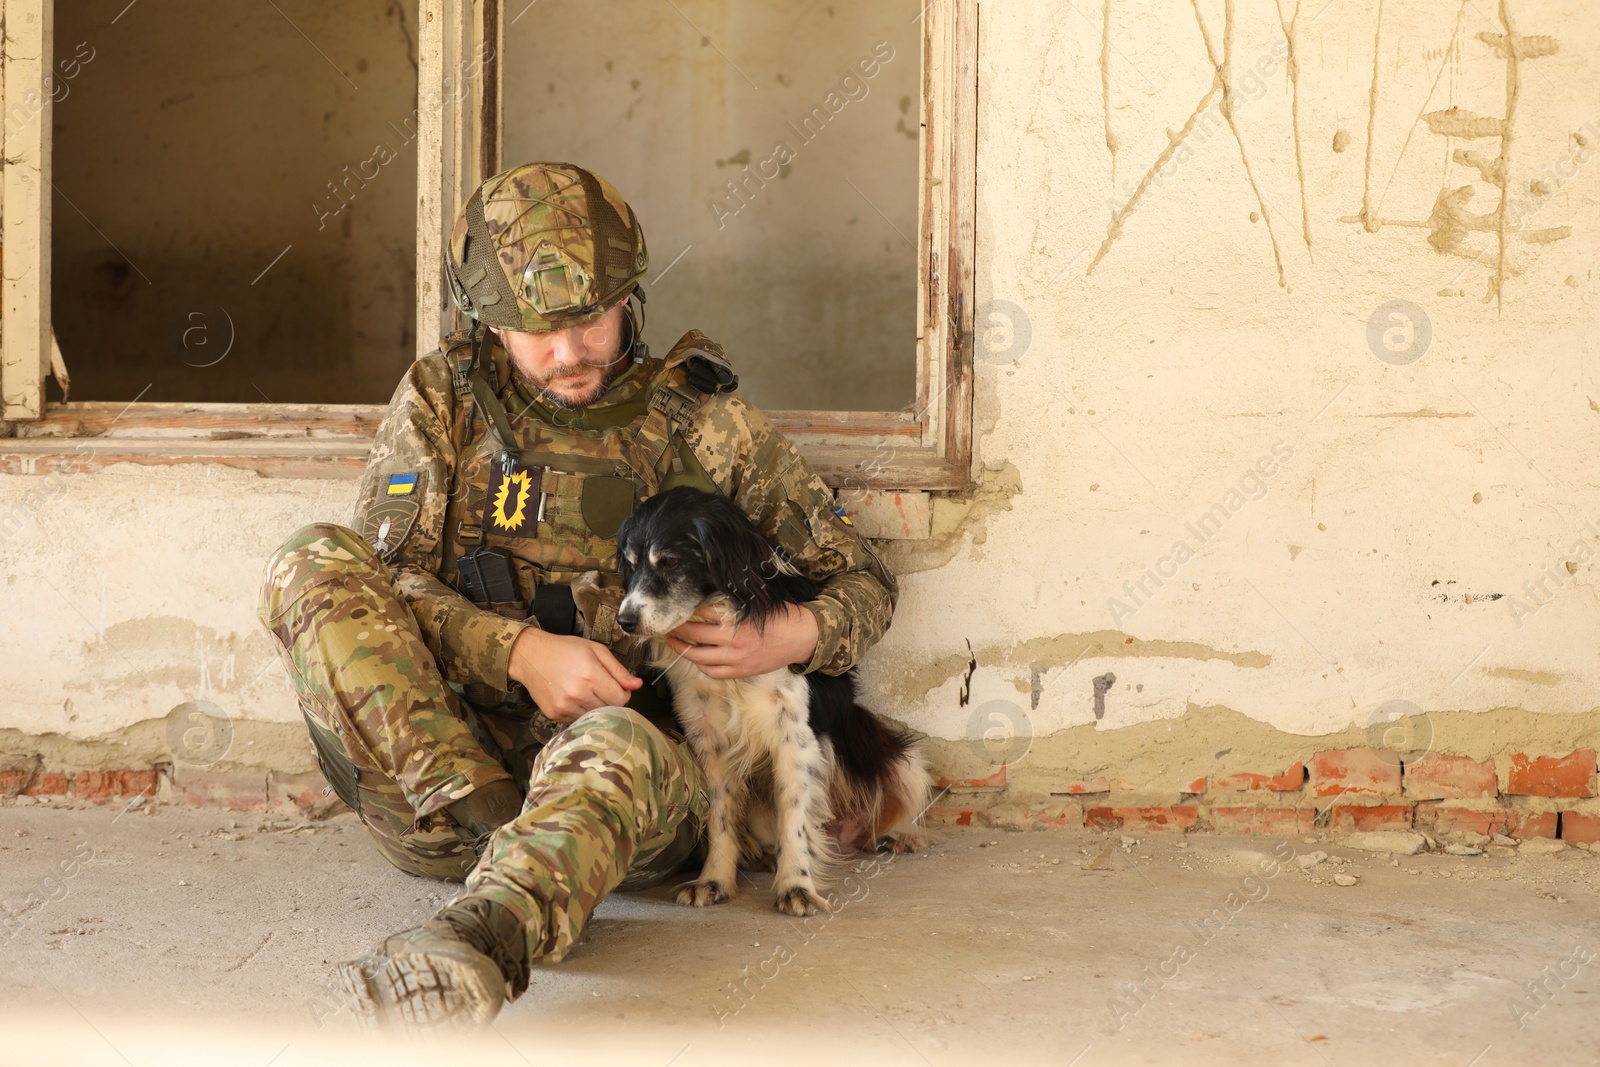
544 246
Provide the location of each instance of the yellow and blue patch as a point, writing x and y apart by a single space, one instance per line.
843 517
402 484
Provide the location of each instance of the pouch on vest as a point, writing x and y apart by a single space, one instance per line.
607 501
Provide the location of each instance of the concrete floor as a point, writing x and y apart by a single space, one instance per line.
191 936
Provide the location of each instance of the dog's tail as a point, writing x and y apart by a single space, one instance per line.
880 783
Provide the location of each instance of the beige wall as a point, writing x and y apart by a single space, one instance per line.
809 288
1387 556
197 144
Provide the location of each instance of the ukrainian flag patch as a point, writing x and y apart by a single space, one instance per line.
843 517
402 484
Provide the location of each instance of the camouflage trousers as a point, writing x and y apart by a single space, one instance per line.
611 802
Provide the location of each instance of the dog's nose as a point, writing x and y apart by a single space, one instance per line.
628 619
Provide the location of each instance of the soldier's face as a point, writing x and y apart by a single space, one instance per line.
571 367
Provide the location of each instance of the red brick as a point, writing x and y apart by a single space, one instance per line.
1196 786
1568 776
1525 824
1070 818
1347 818
11 782
226 789
47 783
997 780
1355 770
305 794
1275 821
1461 820
941 816
1439 777
1175 817
1288 782
1579 828
103 785
1092 785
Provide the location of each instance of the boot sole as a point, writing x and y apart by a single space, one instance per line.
422 990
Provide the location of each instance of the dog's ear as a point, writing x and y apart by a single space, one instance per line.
738 559
625 534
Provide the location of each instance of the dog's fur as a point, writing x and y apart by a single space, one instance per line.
826 774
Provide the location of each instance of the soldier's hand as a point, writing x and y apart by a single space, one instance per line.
724 649
567 676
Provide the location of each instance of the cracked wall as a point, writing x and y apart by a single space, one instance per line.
1426 533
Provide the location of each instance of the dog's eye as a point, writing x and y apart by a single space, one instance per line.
670 563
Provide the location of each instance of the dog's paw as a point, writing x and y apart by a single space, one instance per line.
703 894
901 841
800 901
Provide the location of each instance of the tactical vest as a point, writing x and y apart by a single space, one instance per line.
550 485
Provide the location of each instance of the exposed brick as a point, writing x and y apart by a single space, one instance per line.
1070 818
1525 824
1580 828
1355 770
221 789
997 780
1175 817
103 785
1263 820
11 782
1439 777
1196 786
1289 781
1461 820
302 793
941 816
47 783
1348 818
1548 776
1091 785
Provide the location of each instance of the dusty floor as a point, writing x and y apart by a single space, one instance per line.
180 936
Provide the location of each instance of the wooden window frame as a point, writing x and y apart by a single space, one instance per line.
927 447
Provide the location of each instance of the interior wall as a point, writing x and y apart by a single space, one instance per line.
235 207
1358 527
803 267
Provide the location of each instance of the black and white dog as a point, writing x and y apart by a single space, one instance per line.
793 763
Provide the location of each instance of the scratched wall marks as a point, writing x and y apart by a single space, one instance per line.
1452 226
1219 97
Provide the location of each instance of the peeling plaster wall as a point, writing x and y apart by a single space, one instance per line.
1393 552
1387 555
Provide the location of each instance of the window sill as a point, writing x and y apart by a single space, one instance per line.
880 451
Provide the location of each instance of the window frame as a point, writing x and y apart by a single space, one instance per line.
926 447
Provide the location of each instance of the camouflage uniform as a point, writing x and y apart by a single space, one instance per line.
403 681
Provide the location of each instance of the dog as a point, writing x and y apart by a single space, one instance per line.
788 757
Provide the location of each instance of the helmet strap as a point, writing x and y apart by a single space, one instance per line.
633 316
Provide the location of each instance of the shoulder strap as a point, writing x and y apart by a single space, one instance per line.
695 369
488 401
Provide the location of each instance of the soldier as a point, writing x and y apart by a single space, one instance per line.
483 721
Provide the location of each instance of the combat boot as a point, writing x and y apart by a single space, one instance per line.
484 810
457 969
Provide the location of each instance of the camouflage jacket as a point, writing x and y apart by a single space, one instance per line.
427 493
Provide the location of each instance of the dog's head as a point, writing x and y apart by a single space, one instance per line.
684 547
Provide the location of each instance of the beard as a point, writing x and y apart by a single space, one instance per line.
611 370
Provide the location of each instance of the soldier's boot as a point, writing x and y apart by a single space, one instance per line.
456 970
486 809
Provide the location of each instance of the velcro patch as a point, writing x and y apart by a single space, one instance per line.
388 523
514 503
402 484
